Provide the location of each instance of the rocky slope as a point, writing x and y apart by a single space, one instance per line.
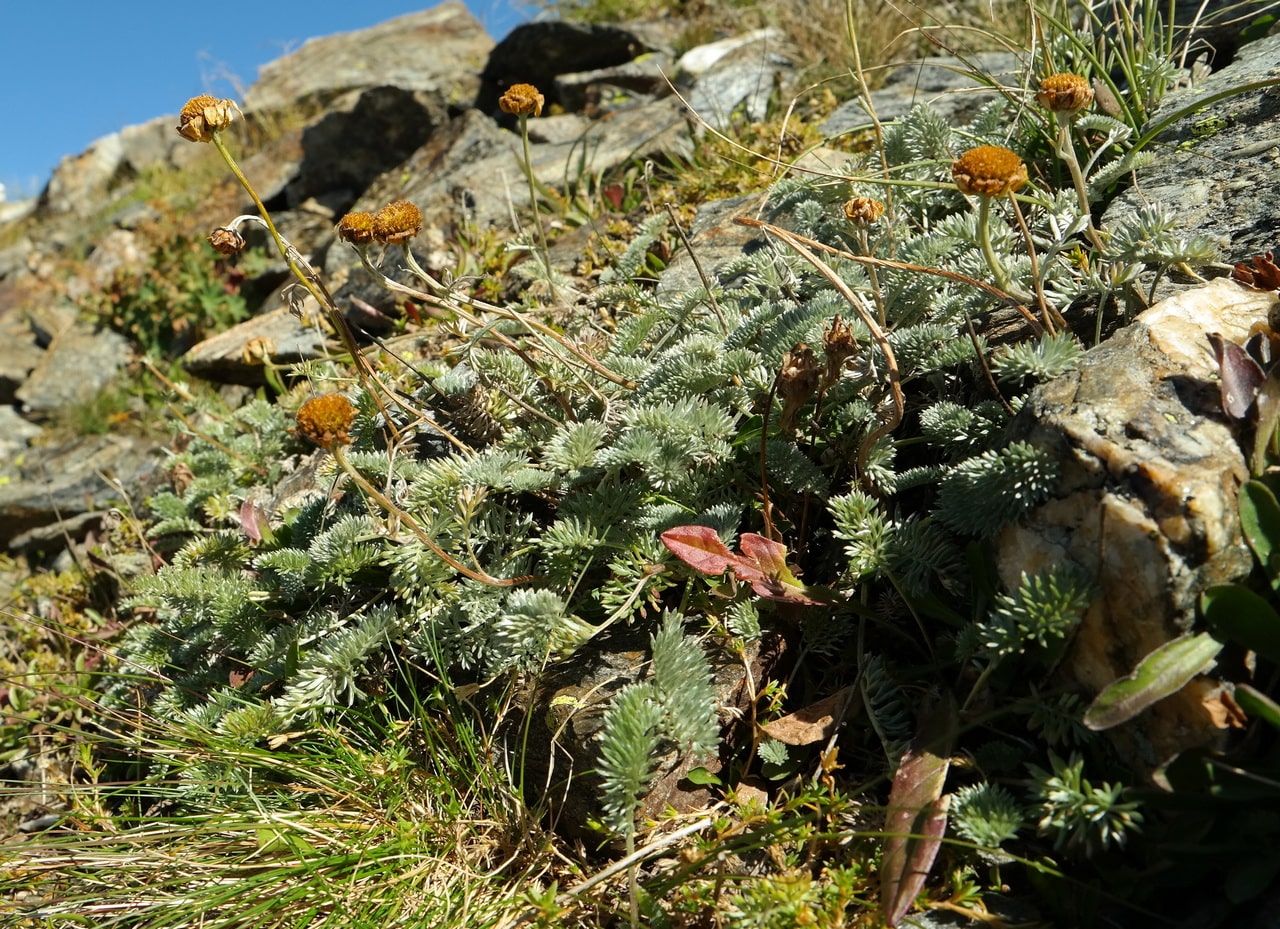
408 110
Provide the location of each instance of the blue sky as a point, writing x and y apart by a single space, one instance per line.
77 71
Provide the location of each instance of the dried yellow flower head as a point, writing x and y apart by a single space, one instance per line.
204 115
989 171
326 420
226 241
356 228
863 210
257 350
522 100
1064 94
397 223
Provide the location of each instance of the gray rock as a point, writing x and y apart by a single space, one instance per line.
78 363
156 143
438 51
78 476
536 53
943 83
733 76
715 239
470 173
1146 504
607 90
19 354
1217 166
81 180
237 355
16 434
361 135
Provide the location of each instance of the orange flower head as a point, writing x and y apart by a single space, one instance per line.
1065 94
356 228
397 223
522 100
989 171
326 420
203 116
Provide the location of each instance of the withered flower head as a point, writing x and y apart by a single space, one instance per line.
397 223
839 345
797 383
863 210
204 115
257 350
1064 94
989 171
522 100
356 228
326 420
226 241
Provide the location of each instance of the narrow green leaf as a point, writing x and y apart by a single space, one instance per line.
1237 614
1160 674
1260 520
702 777
1256 703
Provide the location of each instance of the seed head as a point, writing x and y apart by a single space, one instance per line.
863 211
989 171
203 116
522 100
226 241
356 228
397 223
1065 94
326 420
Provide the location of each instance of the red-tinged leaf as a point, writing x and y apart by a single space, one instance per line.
767 555
1240 376
917 816
700 548
249 524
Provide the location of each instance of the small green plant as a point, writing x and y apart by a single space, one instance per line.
180 297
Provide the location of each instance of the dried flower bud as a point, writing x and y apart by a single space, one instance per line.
326 420
204 115
257 350
226 241
797 383
356 228
397 223
863 211
838 345
1064 94
989 171
522 100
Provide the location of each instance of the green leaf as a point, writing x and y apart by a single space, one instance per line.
1237 614
702 777
1256 703
1260 520
1160 674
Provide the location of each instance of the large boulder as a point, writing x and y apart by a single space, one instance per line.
439 51
1147 500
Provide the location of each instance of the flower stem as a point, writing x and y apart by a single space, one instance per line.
544 252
